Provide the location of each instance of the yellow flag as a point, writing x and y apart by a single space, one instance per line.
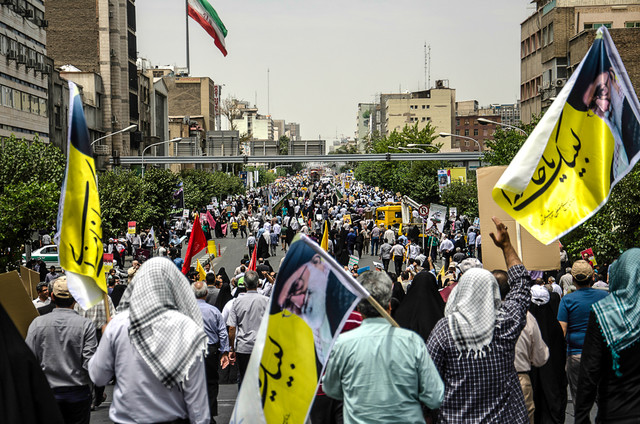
201 272
325 237
79 235
585 143
211 248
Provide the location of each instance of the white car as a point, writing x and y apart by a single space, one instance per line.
49 254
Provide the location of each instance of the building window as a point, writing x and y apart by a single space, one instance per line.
475 131
466 133
596 25
550 32
484 132
632 24
457 132
544 36
457 122
466 122
424 119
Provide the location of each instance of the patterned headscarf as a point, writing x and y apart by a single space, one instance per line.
473 310
165 322
618 314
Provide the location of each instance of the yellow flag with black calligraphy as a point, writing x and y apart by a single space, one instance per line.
587 141
79 234
310 302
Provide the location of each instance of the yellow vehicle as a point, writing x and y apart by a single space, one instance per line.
389 214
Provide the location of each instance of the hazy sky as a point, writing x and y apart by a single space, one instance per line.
327 56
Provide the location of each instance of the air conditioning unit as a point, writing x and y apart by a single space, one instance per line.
28 13
43 23
22 58
18 9
6 2
40 67
31 63
12 54
47 69
560 82
541 89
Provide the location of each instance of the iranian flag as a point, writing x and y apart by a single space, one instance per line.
202 12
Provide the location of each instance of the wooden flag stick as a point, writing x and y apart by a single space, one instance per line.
382 311
106 306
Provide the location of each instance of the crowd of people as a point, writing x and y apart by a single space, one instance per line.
475 345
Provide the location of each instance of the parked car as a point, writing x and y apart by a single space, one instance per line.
49 254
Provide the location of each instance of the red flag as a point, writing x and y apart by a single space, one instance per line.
254 258
197 242
210 220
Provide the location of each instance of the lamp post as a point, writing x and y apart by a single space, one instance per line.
432 147
408 148
129 128
173 140
443 134
485 121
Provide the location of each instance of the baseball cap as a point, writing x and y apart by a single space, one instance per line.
581 270
453 264
60 289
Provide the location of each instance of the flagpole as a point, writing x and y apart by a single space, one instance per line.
186 5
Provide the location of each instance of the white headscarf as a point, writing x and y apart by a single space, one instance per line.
539 295
472 311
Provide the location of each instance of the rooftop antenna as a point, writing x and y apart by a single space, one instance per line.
426 87
268 104
428 64
255 101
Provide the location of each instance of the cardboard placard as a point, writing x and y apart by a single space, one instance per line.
16 302
131 227
30 280
534 255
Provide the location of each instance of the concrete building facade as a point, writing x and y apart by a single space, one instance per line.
435 106
292 130
545 38
307 147
190 97
104 44
24 70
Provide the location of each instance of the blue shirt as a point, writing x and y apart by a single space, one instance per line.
574 310
214 325
179 263
383 374
471 238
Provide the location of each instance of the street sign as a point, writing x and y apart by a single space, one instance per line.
423 210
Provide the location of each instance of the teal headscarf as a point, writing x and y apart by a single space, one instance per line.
618 314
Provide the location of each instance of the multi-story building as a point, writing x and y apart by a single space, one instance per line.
366 123
278 128
469 129
292 130
435 106
546 35
251 124
24 70
192 97
99 37
509 112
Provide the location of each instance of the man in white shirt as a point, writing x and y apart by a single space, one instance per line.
390 236
43 295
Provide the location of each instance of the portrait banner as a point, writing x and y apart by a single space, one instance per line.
587 141
437 217
311 300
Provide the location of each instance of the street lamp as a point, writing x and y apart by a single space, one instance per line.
443 134
484 121
173 140
413 145
405 149
129 128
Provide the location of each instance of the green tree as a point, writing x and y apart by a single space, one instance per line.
31 175
121 200
506 143
615 228
283 145
463 196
